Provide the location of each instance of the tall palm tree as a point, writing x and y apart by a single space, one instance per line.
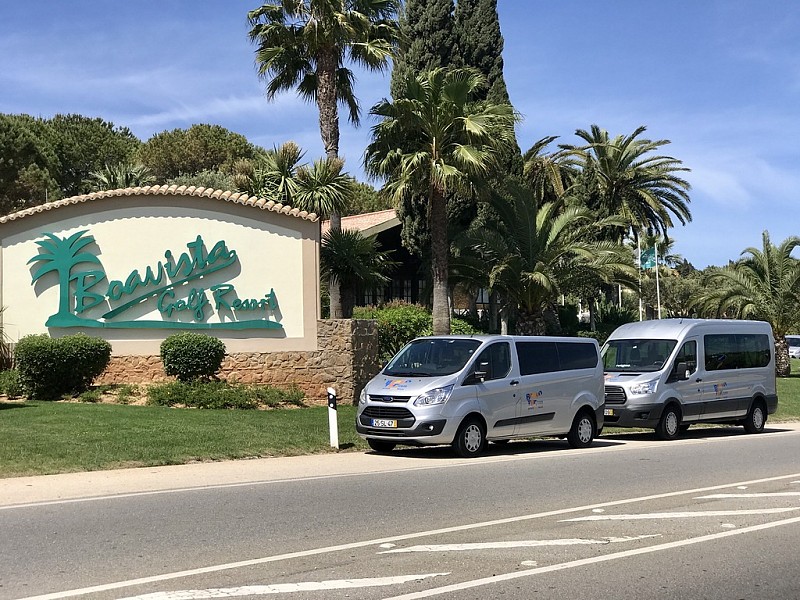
303 45
764 286
355 262
434 139
272 175
542 250
645 189
60 255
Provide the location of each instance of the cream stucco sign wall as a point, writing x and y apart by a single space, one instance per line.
134 265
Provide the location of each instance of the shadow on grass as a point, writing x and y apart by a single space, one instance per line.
9 405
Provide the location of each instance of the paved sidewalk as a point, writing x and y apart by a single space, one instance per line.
69 486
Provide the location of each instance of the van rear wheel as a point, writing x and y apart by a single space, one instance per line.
669 426
756 418
583 430
380 446
470 439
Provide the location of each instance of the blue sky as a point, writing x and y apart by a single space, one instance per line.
720 79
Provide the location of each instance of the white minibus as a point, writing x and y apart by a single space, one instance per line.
465 390
668 374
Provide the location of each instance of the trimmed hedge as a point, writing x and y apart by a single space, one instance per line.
192 356
221 395
399 323
49 368
9 383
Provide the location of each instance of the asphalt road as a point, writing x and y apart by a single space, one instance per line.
713 515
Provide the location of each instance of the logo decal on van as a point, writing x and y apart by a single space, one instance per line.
396 384
534 399
719 389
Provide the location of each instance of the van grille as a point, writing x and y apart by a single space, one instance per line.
615 395
387 412
377 398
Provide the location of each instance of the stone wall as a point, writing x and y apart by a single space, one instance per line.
346 360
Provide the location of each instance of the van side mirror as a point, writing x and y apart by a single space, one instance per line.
682 372
481 371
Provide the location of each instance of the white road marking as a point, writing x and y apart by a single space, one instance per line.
765 495
387 546
741 487
516 544
397 538
589 561
283 588
598 510
728 526
682 515
529 563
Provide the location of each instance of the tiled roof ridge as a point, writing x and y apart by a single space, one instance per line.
168 190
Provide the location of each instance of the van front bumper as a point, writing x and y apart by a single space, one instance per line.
431 431
645 416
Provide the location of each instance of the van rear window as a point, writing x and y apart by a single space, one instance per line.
548 357
736 351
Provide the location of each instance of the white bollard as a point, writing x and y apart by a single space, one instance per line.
333 422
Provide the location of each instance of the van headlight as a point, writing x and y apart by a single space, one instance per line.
646 387
434 396
362 397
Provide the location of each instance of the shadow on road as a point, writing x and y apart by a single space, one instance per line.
510 448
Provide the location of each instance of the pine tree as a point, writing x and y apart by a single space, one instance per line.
428 39
480 44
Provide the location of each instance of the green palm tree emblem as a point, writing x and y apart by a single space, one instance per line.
61 255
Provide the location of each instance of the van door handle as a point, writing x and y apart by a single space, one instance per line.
514 382
699 379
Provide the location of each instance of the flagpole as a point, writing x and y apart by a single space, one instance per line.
658 288
639 248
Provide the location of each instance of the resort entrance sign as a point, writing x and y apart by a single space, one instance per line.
178 287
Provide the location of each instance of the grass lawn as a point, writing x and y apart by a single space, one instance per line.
40 438
55 437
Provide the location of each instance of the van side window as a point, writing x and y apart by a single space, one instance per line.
499 358
688 354
537 357
736 351
577 355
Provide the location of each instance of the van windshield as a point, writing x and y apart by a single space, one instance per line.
794 342
636 355
432 358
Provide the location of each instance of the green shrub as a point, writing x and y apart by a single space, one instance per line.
399 323
192 356
221 395
49 368
9 383
92 396
126 392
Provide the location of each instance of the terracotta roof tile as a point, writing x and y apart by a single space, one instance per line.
164 190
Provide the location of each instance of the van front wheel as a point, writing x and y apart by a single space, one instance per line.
380 446
582 432
470 438
669 426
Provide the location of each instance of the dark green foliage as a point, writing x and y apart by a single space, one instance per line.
365 199
192 356
84 145
170 154
9 383
480 45
49 368
221 395
399 323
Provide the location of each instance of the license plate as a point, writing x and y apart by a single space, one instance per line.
384 423
608 412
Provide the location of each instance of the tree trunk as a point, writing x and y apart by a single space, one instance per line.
440 251
494 326
783 366
329 131
552 321
530 323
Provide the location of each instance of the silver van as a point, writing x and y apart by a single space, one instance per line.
668 374
465 390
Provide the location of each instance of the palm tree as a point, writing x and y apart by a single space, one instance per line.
643 188
764 286
303 45
355 262
60 256
119 176
273 175
549 174
542 250
432 140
